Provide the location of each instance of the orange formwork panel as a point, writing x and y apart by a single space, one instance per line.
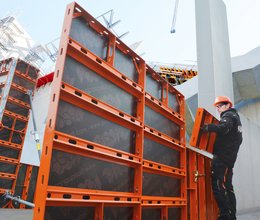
202 203
114 144
17 77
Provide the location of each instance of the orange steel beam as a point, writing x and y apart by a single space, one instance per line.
209 194
91 104
92 149
120 158
111 50
18 102
99 211
14 115
7 176
19 88
192 186
137 212
43 175
201 188
164 213
70 195
8 160
3 191
149 131
163 139
26 77
157 168
10 145
156 201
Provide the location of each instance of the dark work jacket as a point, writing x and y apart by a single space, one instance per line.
228 138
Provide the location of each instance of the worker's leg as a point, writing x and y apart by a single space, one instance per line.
231 194
219 171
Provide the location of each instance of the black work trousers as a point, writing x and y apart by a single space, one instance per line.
223 189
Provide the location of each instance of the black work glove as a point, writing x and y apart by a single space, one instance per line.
205 128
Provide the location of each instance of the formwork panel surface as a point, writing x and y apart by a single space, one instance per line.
5 134
17 109
23 82
19 95
5 184
174 213
7 121
161 123
20 180
159 185
164 155
7 169
68 213
87 80
173 102
122 213
86 125
125 65
17 138
8 152
76 171
89 38
32 186
153 87
151 214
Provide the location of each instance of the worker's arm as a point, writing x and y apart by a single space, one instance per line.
224 126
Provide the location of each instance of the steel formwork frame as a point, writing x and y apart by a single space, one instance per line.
202 203
119 69
17 77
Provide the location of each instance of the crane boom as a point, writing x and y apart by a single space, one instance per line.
174 16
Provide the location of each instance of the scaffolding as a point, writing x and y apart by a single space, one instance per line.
175 74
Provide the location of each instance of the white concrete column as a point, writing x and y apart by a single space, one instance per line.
213 53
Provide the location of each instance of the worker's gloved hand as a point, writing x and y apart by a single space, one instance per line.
205 128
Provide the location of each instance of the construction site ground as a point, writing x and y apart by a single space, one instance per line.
27 214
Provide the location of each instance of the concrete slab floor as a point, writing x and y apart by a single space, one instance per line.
16 214
27 214
249 216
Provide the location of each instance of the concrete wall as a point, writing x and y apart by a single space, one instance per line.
213 53
251 110
41 102
246 61
246 170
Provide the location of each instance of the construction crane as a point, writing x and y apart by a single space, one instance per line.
110 24
174 16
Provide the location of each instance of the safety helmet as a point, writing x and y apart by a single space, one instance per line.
221 99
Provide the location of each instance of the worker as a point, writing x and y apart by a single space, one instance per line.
226 146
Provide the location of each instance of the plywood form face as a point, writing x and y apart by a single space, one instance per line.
106 155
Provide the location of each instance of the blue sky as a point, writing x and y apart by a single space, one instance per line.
148 21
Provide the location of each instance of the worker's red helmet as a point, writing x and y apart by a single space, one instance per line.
221 99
